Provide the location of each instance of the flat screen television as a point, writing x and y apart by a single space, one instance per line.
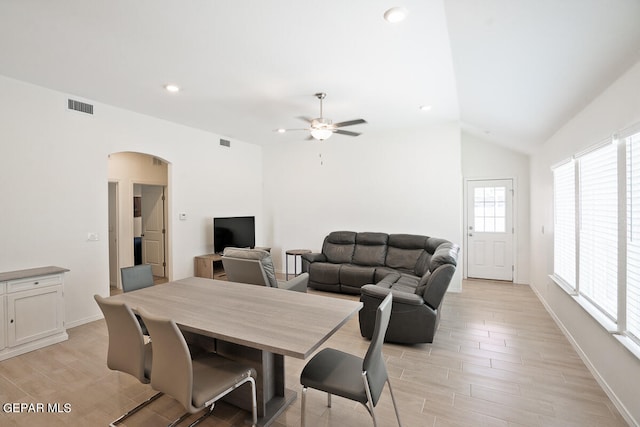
237 231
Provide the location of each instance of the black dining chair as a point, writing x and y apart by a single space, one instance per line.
343 374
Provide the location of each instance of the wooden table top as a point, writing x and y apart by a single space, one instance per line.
31 272
276 320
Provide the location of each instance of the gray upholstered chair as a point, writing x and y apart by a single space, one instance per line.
134 278
349 376
197 383
255 267
127 351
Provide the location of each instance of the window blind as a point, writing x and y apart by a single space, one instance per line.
633 237
564 242
598 227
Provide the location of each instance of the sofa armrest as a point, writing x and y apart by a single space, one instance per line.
308 259
298 283
437 285
314 257
380 293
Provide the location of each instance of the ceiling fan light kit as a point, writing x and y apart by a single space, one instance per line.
321 133
322 128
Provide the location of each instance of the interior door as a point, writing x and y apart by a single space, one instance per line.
153 228
490 229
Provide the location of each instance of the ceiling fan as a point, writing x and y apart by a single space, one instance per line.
322 128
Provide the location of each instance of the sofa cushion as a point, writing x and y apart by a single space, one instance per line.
406 284
356 275
325 273
402 259
422 264
404 251
382 273
388 280
423 284
408 241
257 254
339 246
371 249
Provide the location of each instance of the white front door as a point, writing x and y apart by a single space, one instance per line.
153 229
490 229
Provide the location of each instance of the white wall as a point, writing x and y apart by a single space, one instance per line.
401 182
53 186
614 366
484 160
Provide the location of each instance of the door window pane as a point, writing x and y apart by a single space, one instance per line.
490 209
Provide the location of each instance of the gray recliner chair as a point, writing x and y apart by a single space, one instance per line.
255 267
416 304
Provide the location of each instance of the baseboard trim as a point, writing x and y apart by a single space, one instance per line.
599 379
80 322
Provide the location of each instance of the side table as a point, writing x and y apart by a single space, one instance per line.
295 253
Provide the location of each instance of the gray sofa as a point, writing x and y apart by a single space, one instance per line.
416 269
350 260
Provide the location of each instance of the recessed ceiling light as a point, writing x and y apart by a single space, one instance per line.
426 107
395 14
281 130
172 88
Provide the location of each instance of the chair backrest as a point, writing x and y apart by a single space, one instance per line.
245 271
172 368
373 362
126 351
136 277
252 266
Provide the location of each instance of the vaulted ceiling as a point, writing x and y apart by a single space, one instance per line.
511 71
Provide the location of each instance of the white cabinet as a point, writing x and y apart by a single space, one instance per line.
31 310
3 326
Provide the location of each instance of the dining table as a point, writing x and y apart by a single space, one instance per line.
256 325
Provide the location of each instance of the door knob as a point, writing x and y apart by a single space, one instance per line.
470 234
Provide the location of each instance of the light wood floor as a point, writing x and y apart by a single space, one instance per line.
498 360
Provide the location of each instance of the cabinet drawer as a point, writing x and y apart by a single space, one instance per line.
33 283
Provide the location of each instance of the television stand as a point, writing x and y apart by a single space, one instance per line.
209 266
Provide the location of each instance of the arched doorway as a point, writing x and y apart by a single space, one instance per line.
138 225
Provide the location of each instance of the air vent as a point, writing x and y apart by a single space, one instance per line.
82 107
225 143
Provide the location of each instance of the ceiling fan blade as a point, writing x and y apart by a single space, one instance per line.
306 119
309 138
350 123
346 132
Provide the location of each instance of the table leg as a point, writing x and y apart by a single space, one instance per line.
273 398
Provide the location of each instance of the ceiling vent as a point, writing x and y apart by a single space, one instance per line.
225 143
82 107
